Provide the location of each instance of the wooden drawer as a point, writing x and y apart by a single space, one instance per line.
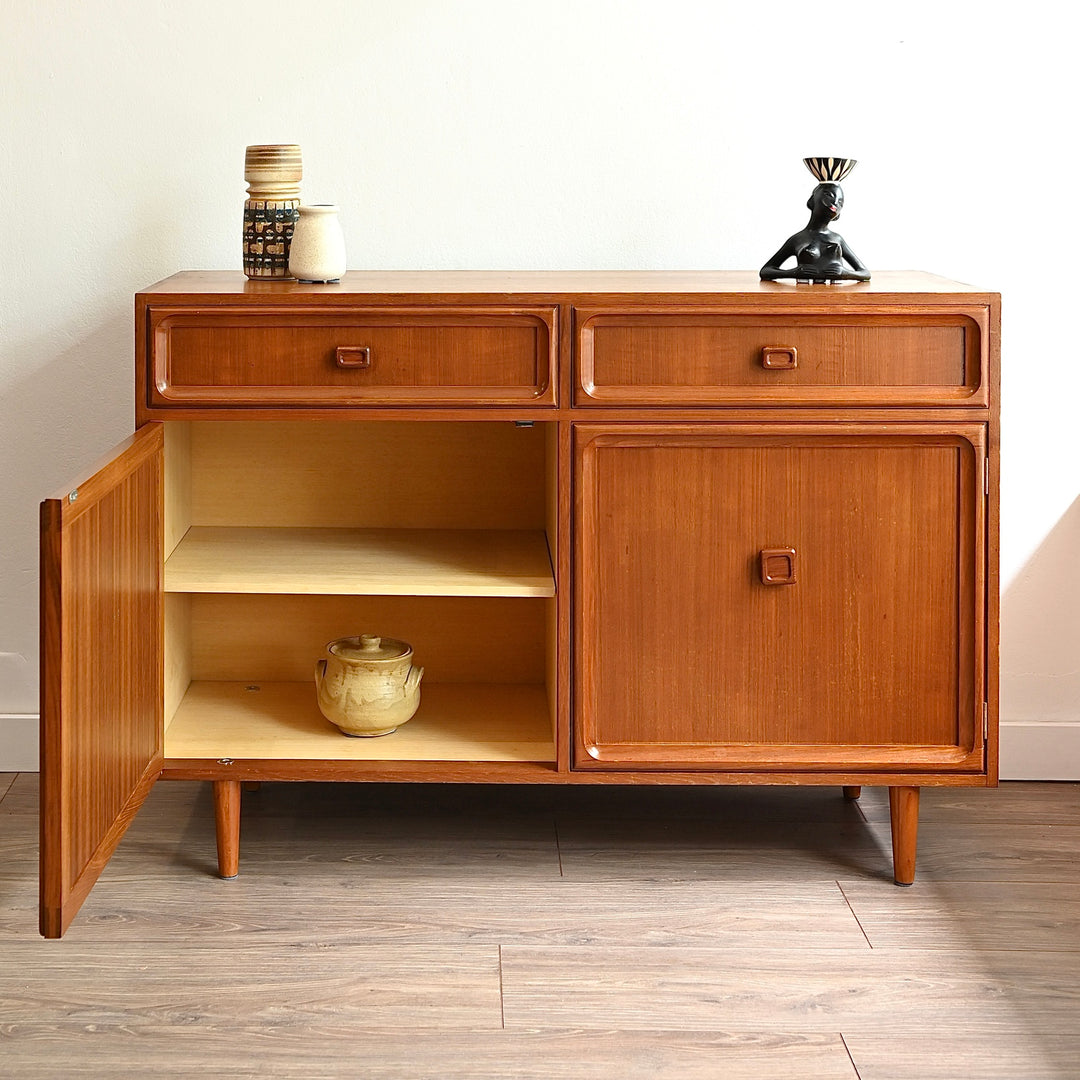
354 356
708 358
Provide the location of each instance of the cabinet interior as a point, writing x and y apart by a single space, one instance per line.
281 536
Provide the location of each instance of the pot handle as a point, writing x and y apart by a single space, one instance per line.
320 670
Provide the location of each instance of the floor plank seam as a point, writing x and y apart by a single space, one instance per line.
854 915
502 998
10 784
858 1075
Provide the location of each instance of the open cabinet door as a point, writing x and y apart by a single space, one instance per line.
101 667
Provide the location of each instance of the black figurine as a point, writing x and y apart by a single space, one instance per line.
820 253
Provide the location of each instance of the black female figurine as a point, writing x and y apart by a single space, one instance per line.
820 253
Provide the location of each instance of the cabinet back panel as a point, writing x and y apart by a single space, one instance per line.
455 639
177 650
177 483
368 474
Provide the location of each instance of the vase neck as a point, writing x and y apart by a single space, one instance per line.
274 190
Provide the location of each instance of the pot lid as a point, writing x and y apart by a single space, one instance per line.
370 647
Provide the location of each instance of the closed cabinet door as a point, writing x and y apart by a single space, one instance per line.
787 598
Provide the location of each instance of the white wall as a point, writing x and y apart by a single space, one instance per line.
559 134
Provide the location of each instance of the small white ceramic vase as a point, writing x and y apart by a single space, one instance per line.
317 252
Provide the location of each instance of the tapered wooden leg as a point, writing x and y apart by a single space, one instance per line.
852 792
227 821
904 814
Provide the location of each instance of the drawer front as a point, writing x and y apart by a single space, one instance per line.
400 356
695 358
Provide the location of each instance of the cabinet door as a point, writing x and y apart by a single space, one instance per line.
101 667
782 598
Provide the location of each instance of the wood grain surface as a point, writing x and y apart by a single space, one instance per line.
441 931
966 914
320 1051
102 693
411 355
216 283
376 562
666 358
220 989
278 637
368 475
281 720
815 990
1027 804
1002 852
720 850
873 657
988 1055
227 826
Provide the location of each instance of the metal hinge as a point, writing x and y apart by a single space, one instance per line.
523 423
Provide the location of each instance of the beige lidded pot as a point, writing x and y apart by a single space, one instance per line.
368 685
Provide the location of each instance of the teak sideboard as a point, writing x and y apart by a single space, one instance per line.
640 528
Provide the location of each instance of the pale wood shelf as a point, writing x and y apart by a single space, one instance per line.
375 562
280 720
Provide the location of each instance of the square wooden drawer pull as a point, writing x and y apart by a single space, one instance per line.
778 566
353 356
779 357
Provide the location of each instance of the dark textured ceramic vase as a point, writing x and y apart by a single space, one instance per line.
273 175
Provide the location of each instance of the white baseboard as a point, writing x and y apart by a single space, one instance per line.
1030 750
1040 750
18 742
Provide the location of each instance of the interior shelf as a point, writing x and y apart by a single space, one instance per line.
280 720
382 562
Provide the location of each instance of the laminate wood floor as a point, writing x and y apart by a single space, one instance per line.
455 932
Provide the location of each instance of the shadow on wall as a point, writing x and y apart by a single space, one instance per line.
1040 660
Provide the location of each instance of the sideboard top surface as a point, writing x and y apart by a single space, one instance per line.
910 285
